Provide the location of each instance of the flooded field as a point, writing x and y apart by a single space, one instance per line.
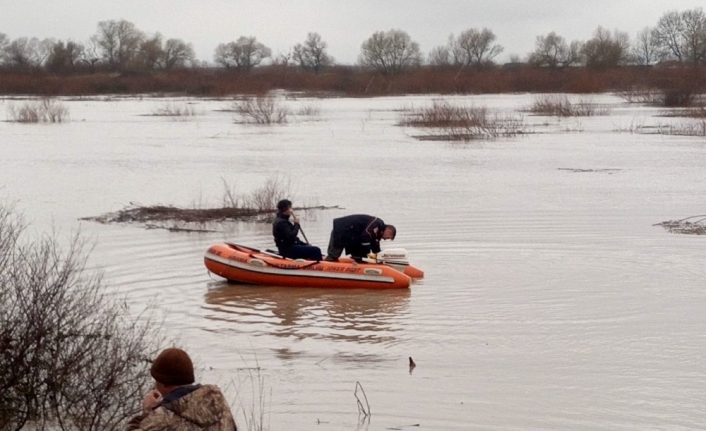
551 301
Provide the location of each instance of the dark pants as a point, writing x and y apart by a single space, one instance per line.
336 248
308 252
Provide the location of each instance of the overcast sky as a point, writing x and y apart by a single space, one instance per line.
343 24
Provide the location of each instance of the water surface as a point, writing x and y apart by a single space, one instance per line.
550 300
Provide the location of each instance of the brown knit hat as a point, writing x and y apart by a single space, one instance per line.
173 367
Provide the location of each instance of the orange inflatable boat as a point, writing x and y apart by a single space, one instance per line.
389 270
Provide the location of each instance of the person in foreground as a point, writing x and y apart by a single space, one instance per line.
286 235
178 403
358 235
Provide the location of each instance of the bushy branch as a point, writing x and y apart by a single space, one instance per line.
70 356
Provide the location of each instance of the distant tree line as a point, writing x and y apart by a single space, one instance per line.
118 45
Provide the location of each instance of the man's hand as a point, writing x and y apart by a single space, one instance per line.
151 400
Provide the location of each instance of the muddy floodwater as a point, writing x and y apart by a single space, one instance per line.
550 301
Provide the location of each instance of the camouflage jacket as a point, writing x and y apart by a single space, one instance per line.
204 408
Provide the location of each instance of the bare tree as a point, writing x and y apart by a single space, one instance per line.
70 356
221 55
151 53
243 54
64 57
25 53
440 56
606 49
552 51
119 42
177 54
477 47
450 54
669 35
312 53
282 60
92 52
390 53
645 49
694 36
4 41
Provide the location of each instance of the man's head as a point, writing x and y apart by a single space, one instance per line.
173 367
284 205
389 233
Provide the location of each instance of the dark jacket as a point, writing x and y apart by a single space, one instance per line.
359 232
285 233
193 408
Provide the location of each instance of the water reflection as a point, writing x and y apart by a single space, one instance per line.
357 315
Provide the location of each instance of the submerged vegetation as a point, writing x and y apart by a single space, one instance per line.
694 225
175 110
561 106
258 205
261 110
45 110
455 122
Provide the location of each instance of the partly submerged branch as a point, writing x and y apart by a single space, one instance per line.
161 214
694 225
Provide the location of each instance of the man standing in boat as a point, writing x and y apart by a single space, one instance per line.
286 235
358 234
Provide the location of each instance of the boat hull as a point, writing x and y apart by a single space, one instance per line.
247 265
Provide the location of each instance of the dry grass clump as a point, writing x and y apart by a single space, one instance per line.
694 225
446 121
561 106
697 112
175 110
261 200
309 110
647 96
637 125
45 110
261 110
687 128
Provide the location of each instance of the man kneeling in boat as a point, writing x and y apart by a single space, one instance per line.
286 235
359 235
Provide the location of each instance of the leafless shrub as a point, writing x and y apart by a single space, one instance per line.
637 125
642 95
696 127
265 198
70 357
461 123
262 199
261 110
694 225
561 106
680 96
45 110
309 109
175 110
697 112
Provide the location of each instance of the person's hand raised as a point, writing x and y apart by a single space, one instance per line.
151 400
